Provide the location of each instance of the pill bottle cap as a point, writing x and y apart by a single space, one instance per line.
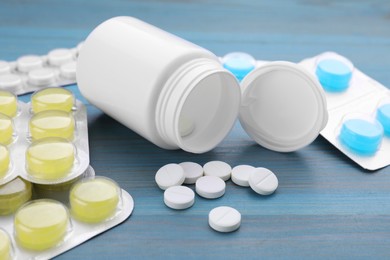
283 106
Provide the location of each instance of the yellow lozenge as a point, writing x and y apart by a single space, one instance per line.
13 195
4 160
8 103
50 158
6 129
41 224
5 246
52 99
94 200
52 123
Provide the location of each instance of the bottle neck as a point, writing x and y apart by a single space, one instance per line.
197 106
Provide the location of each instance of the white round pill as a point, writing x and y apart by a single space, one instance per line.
224 219
218 169
210 187
241 173
4 67
68 70
42 76
29 62
192 172
58 57
10 82
179 197
263 181
169 175
186 126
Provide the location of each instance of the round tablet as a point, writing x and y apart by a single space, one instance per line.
4 160
94 200
179 197
13 195
263 181
186 126
68 70
224 219
169 175
41 77
210 187
52 99
50 158
5 68
239 63
58 57
334 75
241 173
192 172
29 62
8 103
52 123
41 224
6 129
361 136
10 82
383 116
218 169
5 245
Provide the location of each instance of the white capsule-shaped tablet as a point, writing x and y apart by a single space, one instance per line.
10 82
219 169
169 175
29 62
179 197
241 173
192 172
224 219
61 56
210 187
68 70
263 181
4 67
42 76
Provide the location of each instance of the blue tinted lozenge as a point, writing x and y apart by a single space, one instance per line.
383 116
334 75
239 63
361 136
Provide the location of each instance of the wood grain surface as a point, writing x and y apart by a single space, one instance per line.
325 206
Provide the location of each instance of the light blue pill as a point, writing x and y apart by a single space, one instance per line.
383 116
239 63
334 75
361 136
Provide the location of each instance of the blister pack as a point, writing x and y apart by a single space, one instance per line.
358 106
44 141
32 72
359 110
44 228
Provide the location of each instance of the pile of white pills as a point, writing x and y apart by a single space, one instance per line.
210 183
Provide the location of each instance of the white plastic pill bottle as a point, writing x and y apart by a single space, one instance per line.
170 91
178 95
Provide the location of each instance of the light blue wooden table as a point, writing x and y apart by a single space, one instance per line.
325 207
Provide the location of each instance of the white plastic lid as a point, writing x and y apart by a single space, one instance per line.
283 106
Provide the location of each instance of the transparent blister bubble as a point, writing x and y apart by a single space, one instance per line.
238 63
6 246
33 72
360 133
382 114
333 71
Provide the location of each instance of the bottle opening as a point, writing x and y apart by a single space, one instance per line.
208 113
